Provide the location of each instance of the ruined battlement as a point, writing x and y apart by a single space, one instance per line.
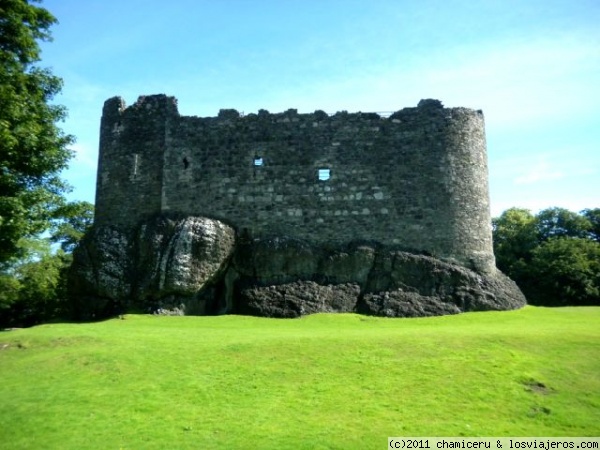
416 180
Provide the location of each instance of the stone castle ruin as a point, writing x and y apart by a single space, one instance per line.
289 214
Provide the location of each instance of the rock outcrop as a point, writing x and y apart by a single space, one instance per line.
100 277
197 266
166 265
362 277
179 262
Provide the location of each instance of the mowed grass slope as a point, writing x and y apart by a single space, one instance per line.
323 381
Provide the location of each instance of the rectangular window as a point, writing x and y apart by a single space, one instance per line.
324 174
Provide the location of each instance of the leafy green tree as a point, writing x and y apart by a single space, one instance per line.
515 235
560 222
553 256
33 150
566 271
33 290
33 287
73 220
593 215
10 287
41 296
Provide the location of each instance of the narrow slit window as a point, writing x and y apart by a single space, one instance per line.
324 174
136 163
258 161
186 163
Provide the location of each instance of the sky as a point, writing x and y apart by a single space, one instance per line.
532 66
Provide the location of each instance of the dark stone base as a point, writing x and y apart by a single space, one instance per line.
362 278
196 266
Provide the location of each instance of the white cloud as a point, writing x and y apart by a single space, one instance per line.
520 84
85 157
546 170
540 167
543 170
516 83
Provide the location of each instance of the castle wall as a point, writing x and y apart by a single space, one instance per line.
417 180
130 161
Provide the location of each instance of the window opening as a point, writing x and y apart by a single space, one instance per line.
186 163
324 174
258 161
135 165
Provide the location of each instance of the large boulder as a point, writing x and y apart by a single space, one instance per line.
101 274
168 265
412 285
180 261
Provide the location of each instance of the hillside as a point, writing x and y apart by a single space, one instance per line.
322 381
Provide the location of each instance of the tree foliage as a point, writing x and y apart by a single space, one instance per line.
33 149
515 236
593 215
38 291
33 287
566 270
33 152
71 222
553 256
560 222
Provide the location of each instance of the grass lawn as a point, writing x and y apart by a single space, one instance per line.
323 381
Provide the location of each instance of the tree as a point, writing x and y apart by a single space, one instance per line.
593 215
560 222
553 256
33 150
9 295
71 223
566 272
514 236
33 287
40 296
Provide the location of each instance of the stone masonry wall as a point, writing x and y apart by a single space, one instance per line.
130 164
416 180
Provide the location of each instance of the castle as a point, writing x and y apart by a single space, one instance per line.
416 180
288 214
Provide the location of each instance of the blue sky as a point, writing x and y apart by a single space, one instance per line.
532 66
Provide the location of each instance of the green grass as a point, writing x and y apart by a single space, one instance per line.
323 381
